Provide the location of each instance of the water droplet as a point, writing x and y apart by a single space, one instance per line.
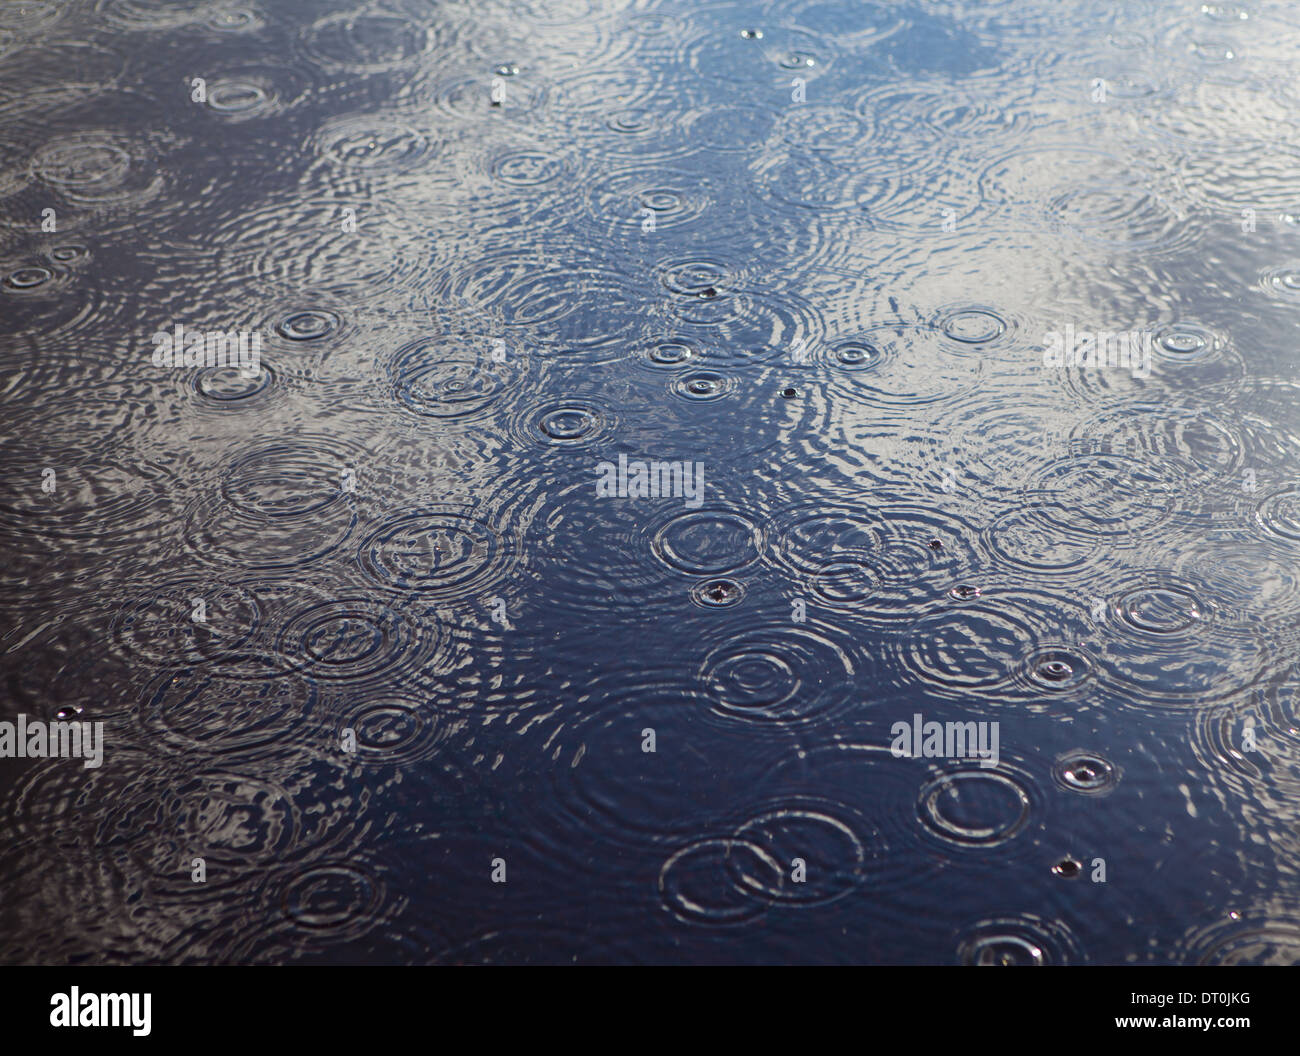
974 326
1160 610
1224 12
661 201
1080 771
1066 867
702 386
632 122
308 325
1182 342
1025 940
718 593
1280 514
853 354
528 168
963 592
568 424
1187 341
1005 950
67 254
336 899
1055 670
670 353
238 97
365 142
974 807
708 542
230 383
28 277
446 550
233 19
1284 279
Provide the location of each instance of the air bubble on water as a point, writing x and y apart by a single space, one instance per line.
1087 772
1067 867
1055 670
718 593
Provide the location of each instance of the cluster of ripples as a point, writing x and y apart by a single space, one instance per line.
814 247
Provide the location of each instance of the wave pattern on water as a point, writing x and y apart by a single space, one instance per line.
664 413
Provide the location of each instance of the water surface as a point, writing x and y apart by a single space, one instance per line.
818 251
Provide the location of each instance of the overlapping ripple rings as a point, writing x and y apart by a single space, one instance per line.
631 481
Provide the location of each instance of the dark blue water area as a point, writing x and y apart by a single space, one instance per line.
963 337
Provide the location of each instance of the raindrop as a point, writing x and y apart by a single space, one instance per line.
1081 771
974 808
569 424
855 355
718 593
1186 341
224 384
308 325
670 353
234 19
67 254
1160 610
238 97
702 386
28 278
1055 670
1284 280
1066 867
1005 950
974 326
